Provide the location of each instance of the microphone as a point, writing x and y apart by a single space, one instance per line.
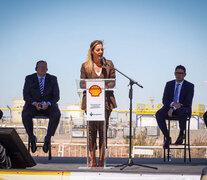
103 60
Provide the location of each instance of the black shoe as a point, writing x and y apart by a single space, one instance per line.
33 146
46 146
179 140
167 143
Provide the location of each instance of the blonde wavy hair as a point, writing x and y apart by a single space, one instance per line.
89 60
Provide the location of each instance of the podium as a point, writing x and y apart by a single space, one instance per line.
94 90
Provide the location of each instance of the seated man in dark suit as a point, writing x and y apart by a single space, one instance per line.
205 118
177 100
41 94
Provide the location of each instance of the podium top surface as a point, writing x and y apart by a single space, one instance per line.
109 84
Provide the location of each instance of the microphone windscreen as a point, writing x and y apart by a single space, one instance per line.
103 60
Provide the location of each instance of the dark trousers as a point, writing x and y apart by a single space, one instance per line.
205 117
30 112
98 126
180 113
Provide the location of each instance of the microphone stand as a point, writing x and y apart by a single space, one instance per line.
131 83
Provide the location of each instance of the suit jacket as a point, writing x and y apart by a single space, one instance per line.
107 73
31 91
186 94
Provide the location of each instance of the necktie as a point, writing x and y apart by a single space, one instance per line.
41 86
176 93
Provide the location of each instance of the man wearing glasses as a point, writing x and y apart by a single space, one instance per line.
177 100
41 94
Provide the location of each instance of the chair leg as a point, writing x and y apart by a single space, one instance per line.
185 147
164 152
168 154
164 155
189 140
50 153
28 145
168 149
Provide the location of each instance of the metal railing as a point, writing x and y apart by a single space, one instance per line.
116 150
152 108
157 150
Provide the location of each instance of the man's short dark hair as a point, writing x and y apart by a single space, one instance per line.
181 67
40 61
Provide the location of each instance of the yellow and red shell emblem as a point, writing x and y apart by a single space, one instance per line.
95 90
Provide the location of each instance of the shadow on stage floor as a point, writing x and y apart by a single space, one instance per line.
75 164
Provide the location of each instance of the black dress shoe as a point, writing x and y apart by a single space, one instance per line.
33 146
179 140
167 143
46 146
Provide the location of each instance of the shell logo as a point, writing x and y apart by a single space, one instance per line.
95 90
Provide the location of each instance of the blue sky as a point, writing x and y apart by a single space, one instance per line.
145 39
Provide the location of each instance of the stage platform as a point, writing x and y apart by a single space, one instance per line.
75 168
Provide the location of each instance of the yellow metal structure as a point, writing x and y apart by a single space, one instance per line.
152 108
143 108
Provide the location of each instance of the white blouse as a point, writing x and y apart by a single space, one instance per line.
98 73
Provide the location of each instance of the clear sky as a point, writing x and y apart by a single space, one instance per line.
145 39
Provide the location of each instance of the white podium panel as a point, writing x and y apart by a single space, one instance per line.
95 93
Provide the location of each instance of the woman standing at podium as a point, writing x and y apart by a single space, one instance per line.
93 68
